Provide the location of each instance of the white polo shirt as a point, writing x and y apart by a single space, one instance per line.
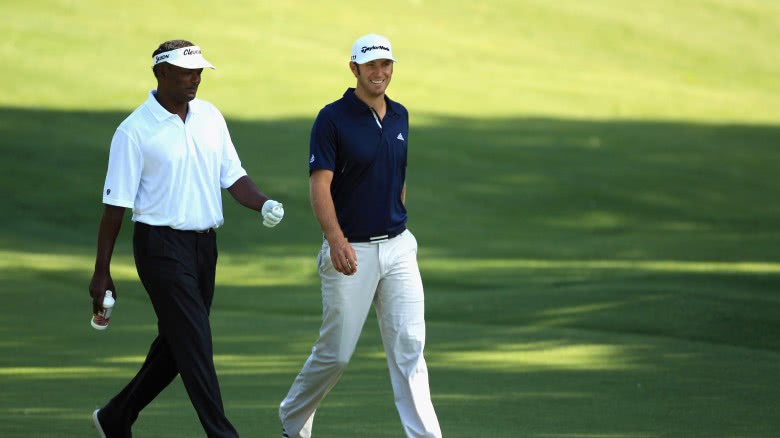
171 172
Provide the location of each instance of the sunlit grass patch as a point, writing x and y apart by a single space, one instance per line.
545 356
671 266
231 271
64 372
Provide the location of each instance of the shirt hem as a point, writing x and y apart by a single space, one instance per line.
117 203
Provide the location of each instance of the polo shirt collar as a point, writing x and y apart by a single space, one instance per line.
161 113
359 106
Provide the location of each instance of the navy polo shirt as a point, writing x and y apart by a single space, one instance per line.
368 164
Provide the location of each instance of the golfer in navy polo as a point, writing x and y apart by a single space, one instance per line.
357 167
169 161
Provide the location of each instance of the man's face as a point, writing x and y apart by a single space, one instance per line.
374 76
180 84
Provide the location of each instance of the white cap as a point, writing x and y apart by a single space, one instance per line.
370 47
185 57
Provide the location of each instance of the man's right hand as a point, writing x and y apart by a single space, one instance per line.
110 224
343 256
341 252
101 282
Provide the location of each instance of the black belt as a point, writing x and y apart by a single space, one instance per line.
377 238
207 230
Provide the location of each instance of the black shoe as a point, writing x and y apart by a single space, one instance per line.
98 426
107 429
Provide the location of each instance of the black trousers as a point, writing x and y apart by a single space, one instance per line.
177 268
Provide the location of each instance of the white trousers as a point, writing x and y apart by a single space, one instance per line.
387 276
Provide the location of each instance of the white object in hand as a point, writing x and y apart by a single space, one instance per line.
272 213
100 320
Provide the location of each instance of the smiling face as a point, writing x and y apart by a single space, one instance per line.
373 77
177 84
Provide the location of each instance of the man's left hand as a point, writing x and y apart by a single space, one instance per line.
272 213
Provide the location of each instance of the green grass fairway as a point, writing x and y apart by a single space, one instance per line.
593 186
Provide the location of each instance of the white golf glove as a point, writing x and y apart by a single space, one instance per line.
272 213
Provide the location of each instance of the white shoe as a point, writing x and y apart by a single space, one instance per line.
97 424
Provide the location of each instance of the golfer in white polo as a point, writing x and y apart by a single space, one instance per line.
169 161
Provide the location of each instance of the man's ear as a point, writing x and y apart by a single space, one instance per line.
355 68
159 70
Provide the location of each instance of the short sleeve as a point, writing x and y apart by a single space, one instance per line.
125 164
322 144
230 166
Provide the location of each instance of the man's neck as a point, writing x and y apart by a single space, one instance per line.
377 102
173 107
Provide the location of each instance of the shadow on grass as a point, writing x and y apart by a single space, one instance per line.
588 189
583 278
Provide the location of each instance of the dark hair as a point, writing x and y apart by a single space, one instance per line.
167 46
